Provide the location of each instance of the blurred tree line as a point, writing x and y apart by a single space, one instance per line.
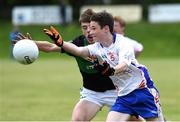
7 5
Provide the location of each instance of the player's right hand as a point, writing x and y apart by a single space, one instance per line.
54 35
104 68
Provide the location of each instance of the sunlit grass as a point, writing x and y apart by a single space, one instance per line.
49 88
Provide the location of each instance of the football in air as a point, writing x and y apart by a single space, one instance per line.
25 51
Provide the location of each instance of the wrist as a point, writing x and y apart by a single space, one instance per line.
59 43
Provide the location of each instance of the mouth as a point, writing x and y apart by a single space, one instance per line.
90 37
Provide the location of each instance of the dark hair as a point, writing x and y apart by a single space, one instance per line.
86 15
120 21
104 18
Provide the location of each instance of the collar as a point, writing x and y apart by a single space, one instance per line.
114 39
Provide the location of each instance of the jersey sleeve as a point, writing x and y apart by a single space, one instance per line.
138 47
92 49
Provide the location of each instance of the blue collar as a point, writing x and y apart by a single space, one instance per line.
114 37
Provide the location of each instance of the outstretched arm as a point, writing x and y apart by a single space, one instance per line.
44 46
47 47
68 47
75 50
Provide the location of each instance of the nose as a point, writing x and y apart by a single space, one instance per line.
90 32
88 29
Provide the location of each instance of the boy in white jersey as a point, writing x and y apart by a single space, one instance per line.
136 92
119 27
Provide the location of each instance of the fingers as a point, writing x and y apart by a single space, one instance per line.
28 36
53 30
20 36
93 58
48 32
54 35
96 61
105 63
105 70
14 42
45 30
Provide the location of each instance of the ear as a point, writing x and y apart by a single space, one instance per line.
106 28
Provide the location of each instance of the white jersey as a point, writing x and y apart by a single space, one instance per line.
121 51
138 47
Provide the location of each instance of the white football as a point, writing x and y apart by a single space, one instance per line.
25 51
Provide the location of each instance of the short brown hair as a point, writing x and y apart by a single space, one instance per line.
86 15
120 20
104 18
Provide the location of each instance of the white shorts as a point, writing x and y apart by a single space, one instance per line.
106 98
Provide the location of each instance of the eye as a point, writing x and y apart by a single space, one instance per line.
84 27
93 28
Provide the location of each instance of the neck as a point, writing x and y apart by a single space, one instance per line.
108 40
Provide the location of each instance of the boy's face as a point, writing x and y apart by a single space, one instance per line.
85 27
96 31
118 28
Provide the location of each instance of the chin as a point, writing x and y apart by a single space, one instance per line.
91 41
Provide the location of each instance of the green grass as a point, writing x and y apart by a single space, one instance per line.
49 88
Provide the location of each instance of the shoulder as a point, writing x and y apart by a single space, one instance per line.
131 40
121 40
123 44
93 48
136 45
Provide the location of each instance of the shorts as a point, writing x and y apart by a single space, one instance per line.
106 98
144 102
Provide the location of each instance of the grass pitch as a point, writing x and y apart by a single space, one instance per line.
49 88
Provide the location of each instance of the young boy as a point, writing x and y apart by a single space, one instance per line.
136 92
94 94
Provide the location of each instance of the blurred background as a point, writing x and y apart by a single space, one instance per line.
44 90
148 15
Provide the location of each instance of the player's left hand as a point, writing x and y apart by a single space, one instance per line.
104 68
20 36
54 35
